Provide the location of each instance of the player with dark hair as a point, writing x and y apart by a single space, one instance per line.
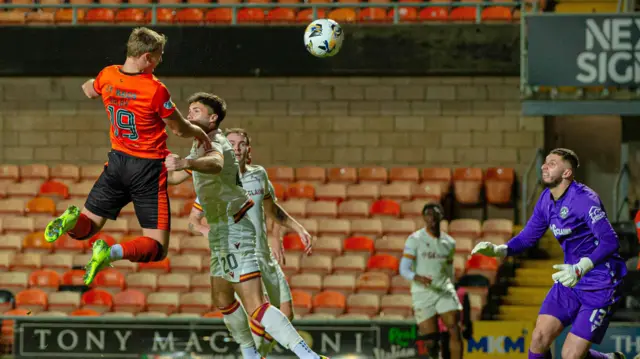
588 283
139 107
427 262
232 236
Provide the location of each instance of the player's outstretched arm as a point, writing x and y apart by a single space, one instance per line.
281 217
185 129
211 163
195 222
597 220
89 89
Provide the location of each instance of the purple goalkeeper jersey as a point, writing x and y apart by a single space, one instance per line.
579 222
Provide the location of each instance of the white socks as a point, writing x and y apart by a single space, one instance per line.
235 318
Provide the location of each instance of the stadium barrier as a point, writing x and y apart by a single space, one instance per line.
98 337
395 6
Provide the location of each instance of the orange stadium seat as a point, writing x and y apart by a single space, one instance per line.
33 299
306 15
343 15
281 15
7 325
219 15
300 190
41 205
96 299
84 313
66 15
499 185
467 185
73 277
250 15
463 13
292 242
45 279
14 16
163 15
385 207
433 14
54 189
162 266
373 283
302 303
130 16
35 243
342 175
281 174
405 14
372 15
329 302
216 314
383 263
442 176
280 191
110 280
100 16
189 16
496 13
360 244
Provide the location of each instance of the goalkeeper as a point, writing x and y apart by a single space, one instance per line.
588 284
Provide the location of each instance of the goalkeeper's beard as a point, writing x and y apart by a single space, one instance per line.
553 184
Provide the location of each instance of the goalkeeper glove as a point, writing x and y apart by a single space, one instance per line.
570 274
490 250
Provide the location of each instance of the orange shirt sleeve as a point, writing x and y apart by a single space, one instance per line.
162 103
97 84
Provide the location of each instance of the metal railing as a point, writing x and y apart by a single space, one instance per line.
528 198
621 192
479 6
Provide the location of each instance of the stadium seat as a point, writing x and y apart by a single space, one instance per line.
359 244
397 304
383 263
34 300
399 191
200 283
45 279
100 16
173 282
465 228
196 303
372 174
296 207
65 302
18 224
54 189
496 13
9 173
14 206
216 314
329 302
400 285
110 280
189 16
162 266
306 15
34 171
292 264
391 245
498 227
283 175
335 192
84 313
91 172
404 174
130 15
300 190
368 227
482 265
498 185
73 277
13 281
349 264
302 303
64 171
328 245
219 15
166 303
607 7
151 315
463 13
373 283
292 242
363 191
443 176
194 245
405 14
66 15
313 175
26 262
6 257
129 300
41 205
392 226
385 207
328 226
164 16
10 243
316 264
353 209
467 185
372 15
28 188
363 303
323 209
347 175
311 282
97 299
427 191
280 191
7 325
433 14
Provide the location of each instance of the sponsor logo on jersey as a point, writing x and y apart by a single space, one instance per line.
558 232
596 213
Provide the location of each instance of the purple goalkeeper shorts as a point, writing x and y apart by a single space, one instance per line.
588 312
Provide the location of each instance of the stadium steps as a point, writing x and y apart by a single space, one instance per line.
518 312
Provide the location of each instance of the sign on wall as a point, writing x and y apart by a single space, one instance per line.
583 50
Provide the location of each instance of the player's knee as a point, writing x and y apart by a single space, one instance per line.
541 340
454 332
571 352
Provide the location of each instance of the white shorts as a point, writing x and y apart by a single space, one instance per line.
233 251
429 303
275 282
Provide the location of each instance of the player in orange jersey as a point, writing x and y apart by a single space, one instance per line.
139 107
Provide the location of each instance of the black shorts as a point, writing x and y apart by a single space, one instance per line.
126 178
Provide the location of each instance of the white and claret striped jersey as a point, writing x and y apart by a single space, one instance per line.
221 196
432 257
256 182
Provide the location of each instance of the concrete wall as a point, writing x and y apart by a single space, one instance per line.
434 121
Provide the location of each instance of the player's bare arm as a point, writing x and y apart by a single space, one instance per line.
281 217
177 177
195 223
89 90
181 127
211 163
277 247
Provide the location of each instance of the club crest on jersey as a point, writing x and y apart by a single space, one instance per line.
168 105
564 212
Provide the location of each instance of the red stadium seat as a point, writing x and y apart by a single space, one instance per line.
54 189
343 15
163 16
100 16
300 190
96 299
372 15
45 279
405 14
131 16
359 244
465 13
383 263
385 207
73 277
189 16
251 15
329 302
110 280
496 13
33 299
433 14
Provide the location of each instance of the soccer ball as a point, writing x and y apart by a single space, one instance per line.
323 38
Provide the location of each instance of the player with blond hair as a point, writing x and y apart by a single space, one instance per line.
232 236
139 108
